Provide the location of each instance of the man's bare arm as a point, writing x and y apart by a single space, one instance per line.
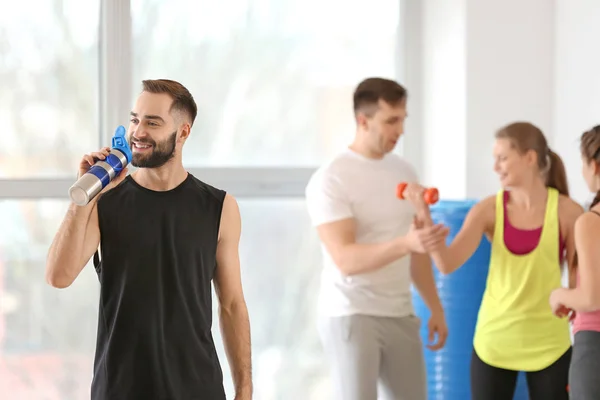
353 258
74 244
421 272
79 234
233 313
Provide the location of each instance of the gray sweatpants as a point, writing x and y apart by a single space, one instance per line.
366 353
584 374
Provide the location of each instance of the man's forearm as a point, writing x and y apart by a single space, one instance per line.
235 328
358 258
421 272
65 253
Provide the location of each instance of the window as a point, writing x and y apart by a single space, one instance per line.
281 269
49 78
47 336
273 79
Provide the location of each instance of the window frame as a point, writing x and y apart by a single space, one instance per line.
115 78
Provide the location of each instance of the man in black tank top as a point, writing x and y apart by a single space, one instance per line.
163 236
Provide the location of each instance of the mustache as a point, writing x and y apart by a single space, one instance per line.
148 142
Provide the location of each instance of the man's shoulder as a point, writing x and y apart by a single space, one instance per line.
400 163
207 189
123 187
333 170
339 162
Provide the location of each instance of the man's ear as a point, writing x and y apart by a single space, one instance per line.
185 131
362 120
596 168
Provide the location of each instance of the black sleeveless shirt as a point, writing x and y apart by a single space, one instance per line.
158 257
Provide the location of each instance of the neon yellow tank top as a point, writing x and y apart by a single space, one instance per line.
516 329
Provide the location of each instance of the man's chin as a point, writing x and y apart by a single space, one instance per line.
149 162
391 146
138 161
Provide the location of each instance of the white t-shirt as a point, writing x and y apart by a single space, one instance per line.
353 186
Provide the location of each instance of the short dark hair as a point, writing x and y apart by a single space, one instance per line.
371 90
182 98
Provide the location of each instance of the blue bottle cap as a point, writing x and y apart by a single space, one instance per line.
119 142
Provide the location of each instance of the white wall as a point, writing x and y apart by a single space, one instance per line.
509 77
577 82
481 64
445 96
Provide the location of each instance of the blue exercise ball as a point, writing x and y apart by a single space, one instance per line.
448 370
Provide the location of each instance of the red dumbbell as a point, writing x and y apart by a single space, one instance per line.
430 195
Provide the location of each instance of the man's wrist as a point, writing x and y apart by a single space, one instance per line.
402 244
244 393
244 387
437 309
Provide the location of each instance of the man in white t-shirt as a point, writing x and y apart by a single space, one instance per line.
372 253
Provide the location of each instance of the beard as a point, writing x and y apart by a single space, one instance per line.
161 153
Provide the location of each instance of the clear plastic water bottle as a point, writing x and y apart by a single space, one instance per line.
103 171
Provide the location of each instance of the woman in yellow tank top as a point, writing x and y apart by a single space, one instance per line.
530 227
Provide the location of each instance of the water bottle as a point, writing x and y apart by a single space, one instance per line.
103 171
